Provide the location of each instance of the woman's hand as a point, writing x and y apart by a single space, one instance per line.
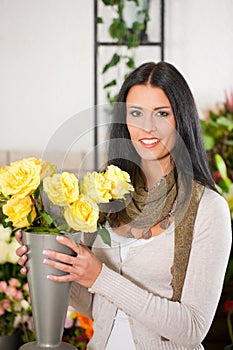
83 268
21 252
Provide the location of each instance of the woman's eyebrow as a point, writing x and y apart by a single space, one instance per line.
161 107
154 109
132 106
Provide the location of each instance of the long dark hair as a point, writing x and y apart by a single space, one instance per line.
189 153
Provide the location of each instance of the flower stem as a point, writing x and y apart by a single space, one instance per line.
230 313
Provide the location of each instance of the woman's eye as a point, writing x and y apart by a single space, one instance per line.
162 114
135 113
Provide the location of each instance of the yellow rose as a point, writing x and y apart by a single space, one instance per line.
82 215
17 210
70 188
12 257
119 181
2 169
47 169
21 178
52 185
96 186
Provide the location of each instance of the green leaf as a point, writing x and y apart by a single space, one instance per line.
110 2
47 219
221 166
5 223
132 40
29 218
213 116
138 26
130 63
228 124
36 193
209 142
104 234
111 99
229 273
43 229
118 29
111 83
113 62
99 20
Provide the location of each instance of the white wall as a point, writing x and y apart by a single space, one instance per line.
46 68
199 37
46 61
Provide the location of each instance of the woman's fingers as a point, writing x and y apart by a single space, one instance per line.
83 268
21 251
64 258
69 243
19 235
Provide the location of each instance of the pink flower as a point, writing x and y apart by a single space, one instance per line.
228 305
29 321
25 287
229 101
17 321
69 322
217 176
3 286
6 305
11 291
14 282
18 295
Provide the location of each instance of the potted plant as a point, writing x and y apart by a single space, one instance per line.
16 324
35 198
127 28
218 139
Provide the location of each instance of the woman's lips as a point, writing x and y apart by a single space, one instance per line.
149 143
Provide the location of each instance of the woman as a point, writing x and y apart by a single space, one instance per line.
158 285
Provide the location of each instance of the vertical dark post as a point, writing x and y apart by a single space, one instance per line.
95 84
162 27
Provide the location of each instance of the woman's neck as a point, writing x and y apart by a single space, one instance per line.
154 170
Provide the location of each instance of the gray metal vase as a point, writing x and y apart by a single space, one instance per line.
49 299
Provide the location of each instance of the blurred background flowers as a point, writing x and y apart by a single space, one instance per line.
217 131
15 307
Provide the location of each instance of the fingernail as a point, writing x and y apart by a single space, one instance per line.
59 238
45 252
24 248
46 261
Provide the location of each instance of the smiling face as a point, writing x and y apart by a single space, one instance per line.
151 123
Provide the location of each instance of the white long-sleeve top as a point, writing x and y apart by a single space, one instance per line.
121 335
140 286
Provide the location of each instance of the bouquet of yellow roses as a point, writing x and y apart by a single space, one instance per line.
27 184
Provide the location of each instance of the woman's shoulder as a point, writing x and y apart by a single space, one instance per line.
213 212
213 200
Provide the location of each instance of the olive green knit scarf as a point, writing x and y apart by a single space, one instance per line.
148 208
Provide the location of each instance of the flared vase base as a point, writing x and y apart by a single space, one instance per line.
36 346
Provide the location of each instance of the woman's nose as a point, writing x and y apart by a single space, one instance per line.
149 122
